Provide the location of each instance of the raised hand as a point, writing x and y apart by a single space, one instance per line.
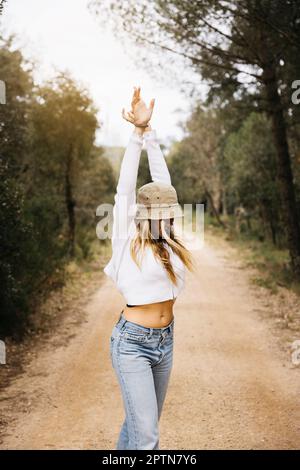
140 114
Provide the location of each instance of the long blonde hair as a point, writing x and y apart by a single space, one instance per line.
144 238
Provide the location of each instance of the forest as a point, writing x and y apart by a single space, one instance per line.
240 154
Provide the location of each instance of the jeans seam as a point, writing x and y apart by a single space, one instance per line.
162 355
129 340
127 396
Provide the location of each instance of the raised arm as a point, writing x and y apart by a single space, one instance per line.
125 197
157 163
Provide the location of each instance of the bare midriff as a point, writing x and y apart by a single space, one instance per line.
156 315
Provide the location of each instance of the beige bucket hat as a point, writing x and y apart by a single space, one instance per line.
157 200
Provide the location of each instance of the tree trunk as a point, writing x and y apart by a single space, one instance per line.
273 232
224 202
214 210
284 175
263 218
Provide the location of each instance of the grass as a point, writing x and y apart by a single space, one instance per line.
272 262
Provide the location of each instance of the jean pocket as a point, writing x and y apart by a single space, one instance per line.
134 336
169 339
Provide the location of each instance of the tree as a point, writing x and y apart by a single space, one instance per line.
200 152
95 186
244 49
64 124
15 71
52 178
252 163
16 234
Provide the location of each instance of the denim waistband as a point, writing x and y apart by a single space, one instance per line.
152 331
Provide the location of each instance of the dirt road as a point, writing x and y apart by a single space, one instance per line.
232 386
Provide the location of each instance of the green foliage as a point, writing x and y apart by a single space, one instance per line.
13 115
15 256
244 52
195 162
185 174
144 176
52 179
251 157
96 186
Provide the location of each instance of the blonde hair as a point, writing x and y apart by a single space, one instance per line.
144 238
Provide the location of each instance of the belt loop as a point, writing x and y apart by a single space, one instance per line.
122 320
151 331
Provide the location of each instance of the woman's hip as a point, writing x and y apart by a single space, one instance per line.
133 347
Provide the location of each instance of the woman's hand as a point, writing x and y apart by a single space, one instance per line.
139 115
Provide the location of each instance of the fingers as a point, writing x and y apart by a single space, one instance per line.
131 115
135 96
152 102
133 99
127 116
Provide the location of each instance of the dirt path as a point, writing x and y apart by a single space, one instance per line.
232 386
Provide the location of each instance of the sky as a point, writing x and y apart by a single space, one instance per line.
64 35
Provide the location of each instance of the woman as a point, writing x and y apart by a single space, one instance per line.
148 266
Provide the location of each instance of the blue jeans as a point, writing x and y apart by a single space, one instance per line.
142 359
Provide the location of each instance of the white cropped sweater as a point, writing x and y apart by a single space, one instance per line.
151 283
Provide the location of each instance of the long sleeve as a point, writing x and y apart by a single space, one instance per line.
125 197
157 163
